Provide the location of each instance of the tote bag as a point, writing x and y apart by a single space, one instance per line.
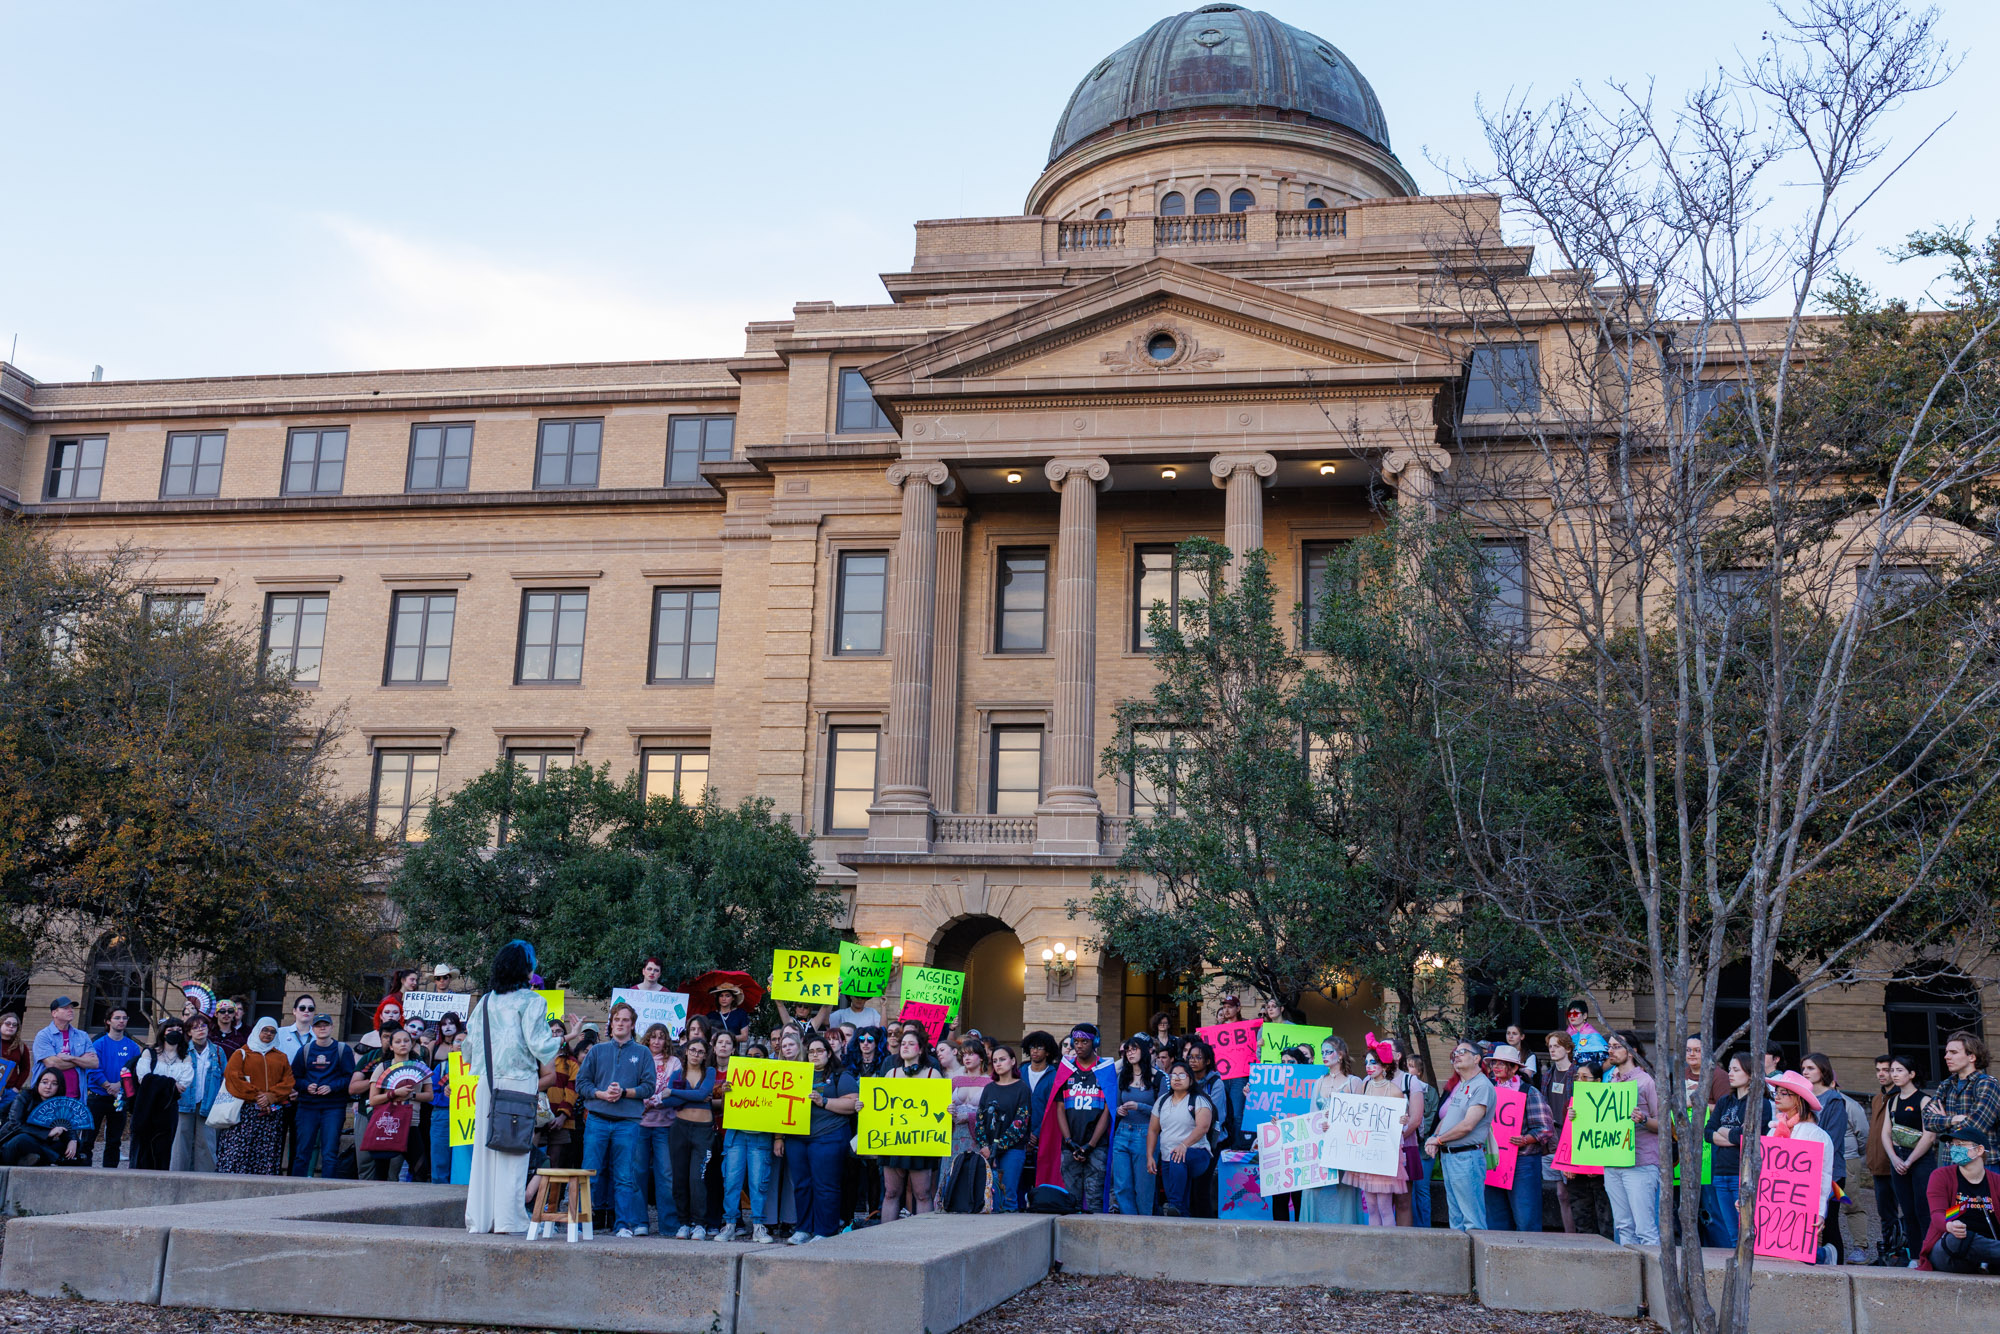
388 1129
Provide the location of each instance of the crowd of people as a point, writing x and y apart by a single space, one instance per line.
1053 1124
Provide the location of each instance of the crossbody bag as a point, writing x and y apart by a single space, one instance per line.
510 1122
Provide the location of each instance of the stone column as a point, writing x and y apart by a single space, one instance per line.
944 659
1067 819
1413 470
1242 478
900 821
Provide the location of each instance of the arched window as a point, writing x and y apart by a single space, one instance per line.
1732 1007
120 978
1315 203
1103 214
1174 205
1489 1010
1922 1011
1207 201
1240 201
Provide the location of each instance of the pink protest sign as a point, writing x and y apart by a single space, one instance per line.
1562 1162
1510 1106
1787 1219
1235 1047
932 1017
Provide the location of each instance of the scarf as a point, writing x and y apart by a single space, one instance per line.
257 1041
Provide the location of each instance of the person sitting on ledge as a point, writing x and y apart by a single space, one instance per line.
1963 1238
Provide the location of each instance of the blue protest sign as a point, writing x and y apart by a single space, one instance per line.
1278 1090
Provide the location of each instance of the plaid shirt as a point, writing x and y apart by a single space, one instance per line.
1975 1098
1537 1120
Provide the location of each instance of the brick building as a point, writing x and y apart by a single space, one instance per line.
885 565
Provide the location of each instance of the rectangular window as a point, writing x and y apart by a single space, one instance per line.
405 786
440 457
194 465
536 764
858 409
552 636
420 626
1160 577
1506 378
76 468
1507 588
1321 560
174 611
693 441
1155 792
685 622
861 602
672 774
850 778
1704 398
1016 778
1021 600
294 635
566 454
316 461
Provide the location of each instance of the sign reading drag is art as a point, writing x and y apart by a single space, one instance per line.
805 977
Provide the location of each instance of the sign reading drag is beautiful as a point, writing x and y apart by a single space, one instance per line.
933 986
1273 1039
1278 1090
806 977
1787 1218
655 1007
865 970
1601 1125
1235 1046
1289 1154
1363 1134
768 1097
908 1116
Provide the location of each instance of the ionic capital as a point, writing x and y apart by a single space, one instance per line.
1429 457
1221 466
1059 471
920 470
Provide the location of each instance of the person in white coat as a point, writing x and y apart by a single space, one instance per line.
515 1021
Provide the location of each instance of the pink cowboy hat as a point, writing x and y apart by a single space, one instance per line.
1794 1082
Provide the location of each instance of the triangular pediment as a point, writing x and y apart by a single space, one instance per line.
1158 325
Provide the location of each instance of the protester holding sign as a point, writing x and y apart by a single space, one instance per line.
914 1172
1514 1189
819 1157
1133 1171
1341 1202
1381 1189
1177 1138
1463 1140
1635 1191
396 1136
1798 1115
763 1098
656 1154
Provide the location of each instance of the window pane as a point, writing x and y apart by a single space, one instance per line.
684 451
1504 379
858 409
1155 584
457 467
1173 206
332 461
1023 599
1017 770
864 590
851 778
553 466
1241 200
584 440
718 440
1207 201
1506 572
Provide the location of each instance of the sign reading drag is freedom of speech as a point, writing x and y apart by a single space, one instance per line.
1787 1216
1290 1154
908 1116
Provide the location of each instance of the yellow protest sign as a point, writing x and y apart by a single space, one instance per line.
907 1116
555 1002
462 1084
806 976
769 1097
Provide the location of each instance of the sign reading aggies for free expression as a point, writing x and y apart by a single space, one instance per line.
933 986
865 970
1601 1125
908 1116
768 1097
805 977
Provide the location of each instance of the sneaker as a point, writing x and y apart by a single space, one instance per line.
639 1231
681 1235
761 1235
624 1231
801 1238
1171 1212
698 1235
728 1232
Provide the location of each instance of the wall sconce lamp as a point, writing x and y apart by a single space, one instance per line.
1059 964
888 944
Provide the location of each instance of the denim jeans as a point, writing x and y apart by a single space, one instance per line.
617 1137
1180 1179
1718 1212
440 1145
1518 1209
1635 1204
1420 1193
745 1153
319 1121
1007 1165
1970 1254
1131 1184
1465 1188
656 1158
817 1167
688 1143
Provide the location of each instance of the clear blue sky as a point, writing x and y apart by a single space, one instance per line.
229 188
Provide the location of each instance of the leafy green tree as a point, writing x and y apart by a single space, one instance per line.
599 878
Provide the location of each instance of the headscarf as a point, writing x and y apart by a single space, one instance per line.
257 1042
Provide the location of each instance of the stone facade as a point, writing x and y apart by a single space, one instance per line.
1055 386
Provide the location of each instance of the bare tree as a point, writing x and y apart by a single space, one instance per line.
1767 727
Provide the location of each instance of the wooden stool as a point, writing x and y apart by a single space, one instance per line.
572 1187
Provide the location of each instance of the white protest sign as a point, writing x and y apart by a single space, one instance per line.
431 1006
1362 1134
655 1007
1289 1154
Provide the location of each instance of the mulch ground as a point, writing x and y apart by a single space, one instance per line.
1060 1304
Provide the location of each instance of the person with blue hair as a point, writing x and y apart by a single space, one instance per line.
513 1022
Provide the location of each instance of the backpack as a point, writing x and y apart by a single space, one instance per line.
966 1189
1050 1200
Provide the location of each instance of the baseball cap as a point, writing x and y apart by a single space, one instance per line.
322 1020
62 1003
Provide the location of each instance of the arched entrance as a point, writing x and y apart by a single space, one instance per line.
988 952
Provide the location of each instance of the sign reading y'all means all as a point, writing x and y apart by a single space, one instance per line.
805 977
933 986
768 1097
865 970
1273 1039
1235 1046
1601 1125
908 1116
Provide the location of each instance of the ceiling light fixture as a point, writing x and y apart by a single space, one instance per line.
1326 470
1168 474
1013 479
